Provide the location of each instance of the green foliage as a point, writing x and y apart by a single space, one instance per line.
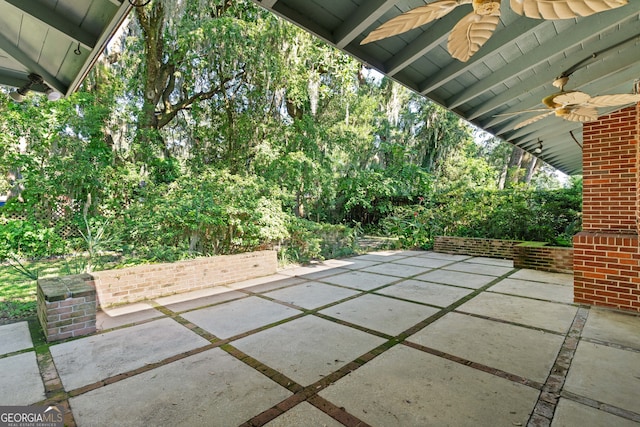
310 240
552 216
26 239
214 213
20 240
366 196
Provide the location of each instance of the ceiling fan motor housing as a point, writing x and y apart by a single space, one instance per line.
549 100
486 7
562 112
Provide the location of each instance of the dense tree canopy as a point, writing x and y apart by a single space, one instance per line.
214 127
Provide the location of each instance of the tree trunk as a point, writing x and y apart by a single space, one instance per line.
532 167
513 167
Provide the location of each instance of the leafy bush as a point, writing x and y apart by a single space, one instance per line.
412 225
369 195
310 240
552 216
214 213
26 239
20 240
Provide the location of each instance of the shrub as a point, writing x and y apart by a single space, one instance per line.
552 216
215 213
26 239
310 240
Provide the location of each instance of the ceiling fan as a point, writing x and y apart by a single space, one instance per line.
575 106
473 31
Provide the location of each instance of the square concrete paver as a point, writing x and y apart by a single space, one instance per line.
423 261
313 270
207 389
324 273
382 256
108 318
513 349
406 387
399 270
304 415
491 261
235 317
312 294
572 414
265 284
94 358
360 280
543 276
426 292
15 337
606 374
609 326
448 257
20 382
308 348
204 301
538 290
357 264
538 314
486 269
379 313
456 278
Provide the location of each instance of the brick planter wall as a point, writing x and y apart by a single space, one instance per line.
538 256
155 280
67 306
533 255
492 248
607 251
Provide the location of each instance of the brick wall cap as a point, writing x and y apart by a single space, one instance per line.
61 288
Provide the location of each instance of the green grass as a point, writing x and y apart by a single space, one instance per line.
17 295
18 292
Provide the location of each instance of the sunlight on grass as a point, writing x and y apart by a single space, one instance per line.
18 292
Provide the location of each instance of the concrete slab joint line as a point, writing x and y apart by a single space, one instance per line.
548 400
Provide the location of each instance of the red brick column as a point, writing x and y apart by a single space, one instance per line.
606 262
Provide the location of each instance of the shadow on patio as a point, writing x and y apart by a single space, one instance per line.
403 338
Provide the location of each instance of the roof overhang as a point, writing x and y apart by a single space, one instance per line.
513 71
59 40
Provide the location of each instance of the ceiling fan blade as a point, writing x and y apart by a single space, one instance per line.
572 98
532 120
582 114
613 100
471 33
413 19
562 9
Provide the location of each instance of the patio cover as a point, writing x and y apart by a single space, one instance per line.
59 40
513 71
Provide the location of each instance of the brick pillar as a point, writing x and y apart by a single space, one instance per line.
67 306
606 262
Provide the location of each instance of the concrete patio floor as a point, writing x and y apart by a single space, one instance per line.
395 338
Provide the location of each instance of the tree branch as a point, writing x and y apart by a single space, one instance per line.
171 112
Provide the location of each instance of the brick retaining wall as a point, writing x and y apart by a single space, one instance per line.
67 306
546 258
533 255
155 280
491 248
